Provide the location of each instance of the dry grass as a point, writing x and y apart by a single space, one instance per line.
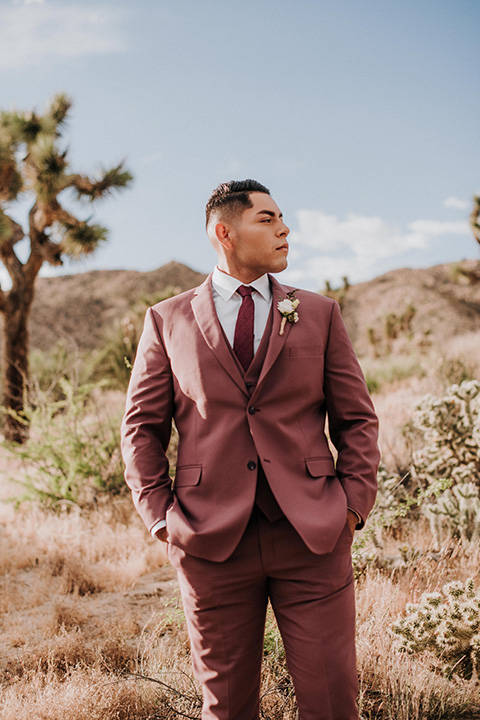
91 627
396 686
75 591
83 695
399 394
87 633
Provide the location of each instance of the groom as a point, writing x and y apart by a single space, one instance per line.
249 370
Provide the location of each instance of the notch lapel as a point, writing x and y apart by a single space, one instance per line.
277 341
206 316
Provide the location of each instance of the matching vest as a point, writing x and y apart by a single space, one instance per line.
264 497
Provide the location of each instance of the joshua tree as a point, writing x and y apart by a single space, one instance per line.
475 218
33 163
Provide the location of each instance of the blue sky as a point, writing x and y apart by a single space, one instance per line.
361 117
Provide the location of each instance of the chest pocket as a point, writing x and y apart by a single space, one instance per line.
307 351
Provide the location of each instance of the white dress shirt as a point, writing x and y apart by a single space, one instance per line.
227 304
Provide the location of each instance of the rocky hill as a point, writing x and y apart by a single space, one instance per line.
80 308
426 306
423 307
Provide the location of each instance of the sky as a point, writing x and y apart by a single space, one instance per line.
361 117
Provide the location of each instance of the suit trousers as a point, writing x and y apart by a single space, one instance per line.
313 600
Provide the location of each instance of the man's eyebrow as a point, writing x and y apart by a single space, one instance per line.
269 212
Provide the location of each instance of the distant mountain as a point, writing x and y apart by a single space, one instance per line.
80 308
407 308
403 308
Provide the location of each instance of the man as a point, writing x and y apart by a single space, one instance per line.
248 369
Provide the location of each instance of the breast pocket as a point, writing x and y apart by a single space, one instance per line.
307 351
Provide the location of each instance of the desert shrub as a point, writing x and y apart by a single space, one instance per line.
443 484
448 428
115 359
399 685
72 455
455 370
381 371
395 501
448 624
62 360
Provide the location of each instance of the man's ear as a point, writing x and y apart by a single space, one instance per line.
222 234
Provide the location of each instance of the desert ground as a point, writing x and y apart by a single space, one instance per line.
91 622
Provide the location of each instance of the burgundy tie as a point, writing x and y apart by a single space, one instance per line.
243 339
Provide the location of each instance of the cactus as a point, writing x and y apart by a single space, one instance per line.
449 427
447 623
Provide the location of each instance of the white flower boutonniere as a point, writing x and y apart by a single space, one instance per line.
288 310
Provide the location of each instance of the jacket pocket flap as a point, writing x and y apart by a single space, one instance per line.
187 475
309 351
320 467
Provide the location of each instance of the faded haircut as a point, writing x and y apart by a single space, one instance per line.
232 198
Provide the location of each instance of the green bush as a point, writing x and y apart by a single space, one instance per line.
115 359
73 453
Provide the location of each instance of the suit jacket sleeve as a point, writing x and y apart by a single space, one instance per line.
146 426
352 422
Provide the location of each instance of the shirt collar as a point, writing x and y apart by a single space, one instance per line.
227 285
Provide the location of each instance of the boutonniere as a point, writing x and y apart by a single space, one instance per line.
288 310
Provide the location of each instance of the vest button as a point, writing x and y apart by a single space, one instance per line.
252 410
251 465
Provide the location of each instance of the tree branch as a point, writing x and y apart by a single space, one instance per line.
109 180
475 218
8 255
43 249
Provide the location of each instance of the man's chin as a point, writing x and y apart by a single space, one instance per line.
279 268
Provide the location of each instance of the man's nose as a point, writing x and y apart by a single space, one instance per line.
284 229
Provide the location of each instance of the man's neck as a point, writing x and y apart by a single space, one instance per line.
243 277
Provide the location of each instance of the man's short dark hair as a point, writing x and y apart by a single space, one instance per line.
233 197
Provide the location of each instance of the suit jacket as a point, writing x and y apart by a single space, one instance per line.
186 371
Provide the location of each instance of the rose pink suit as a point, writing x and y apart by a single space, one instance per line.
229 557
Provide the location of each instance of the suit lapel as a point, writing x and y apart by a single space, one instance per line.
277 341
206 316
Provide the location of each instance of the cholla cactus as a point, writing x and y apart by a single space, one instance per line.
446 623
450 429
456 512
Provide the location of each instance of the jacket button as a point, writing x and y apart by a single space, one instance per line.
251 465
252 410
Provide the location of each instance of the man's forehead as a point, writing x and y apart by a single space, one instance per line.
262 201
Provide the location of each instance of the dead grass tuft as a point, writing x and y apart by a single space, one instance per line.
65 615
83 695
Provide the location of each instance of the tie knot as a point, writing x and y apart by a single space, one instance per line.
245 291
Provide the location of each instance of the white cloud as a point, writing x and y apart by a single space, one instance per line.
327 247
453 202
362 236
36 30
433 228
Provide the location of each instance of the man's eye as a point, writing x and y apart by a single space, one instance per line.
267 220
